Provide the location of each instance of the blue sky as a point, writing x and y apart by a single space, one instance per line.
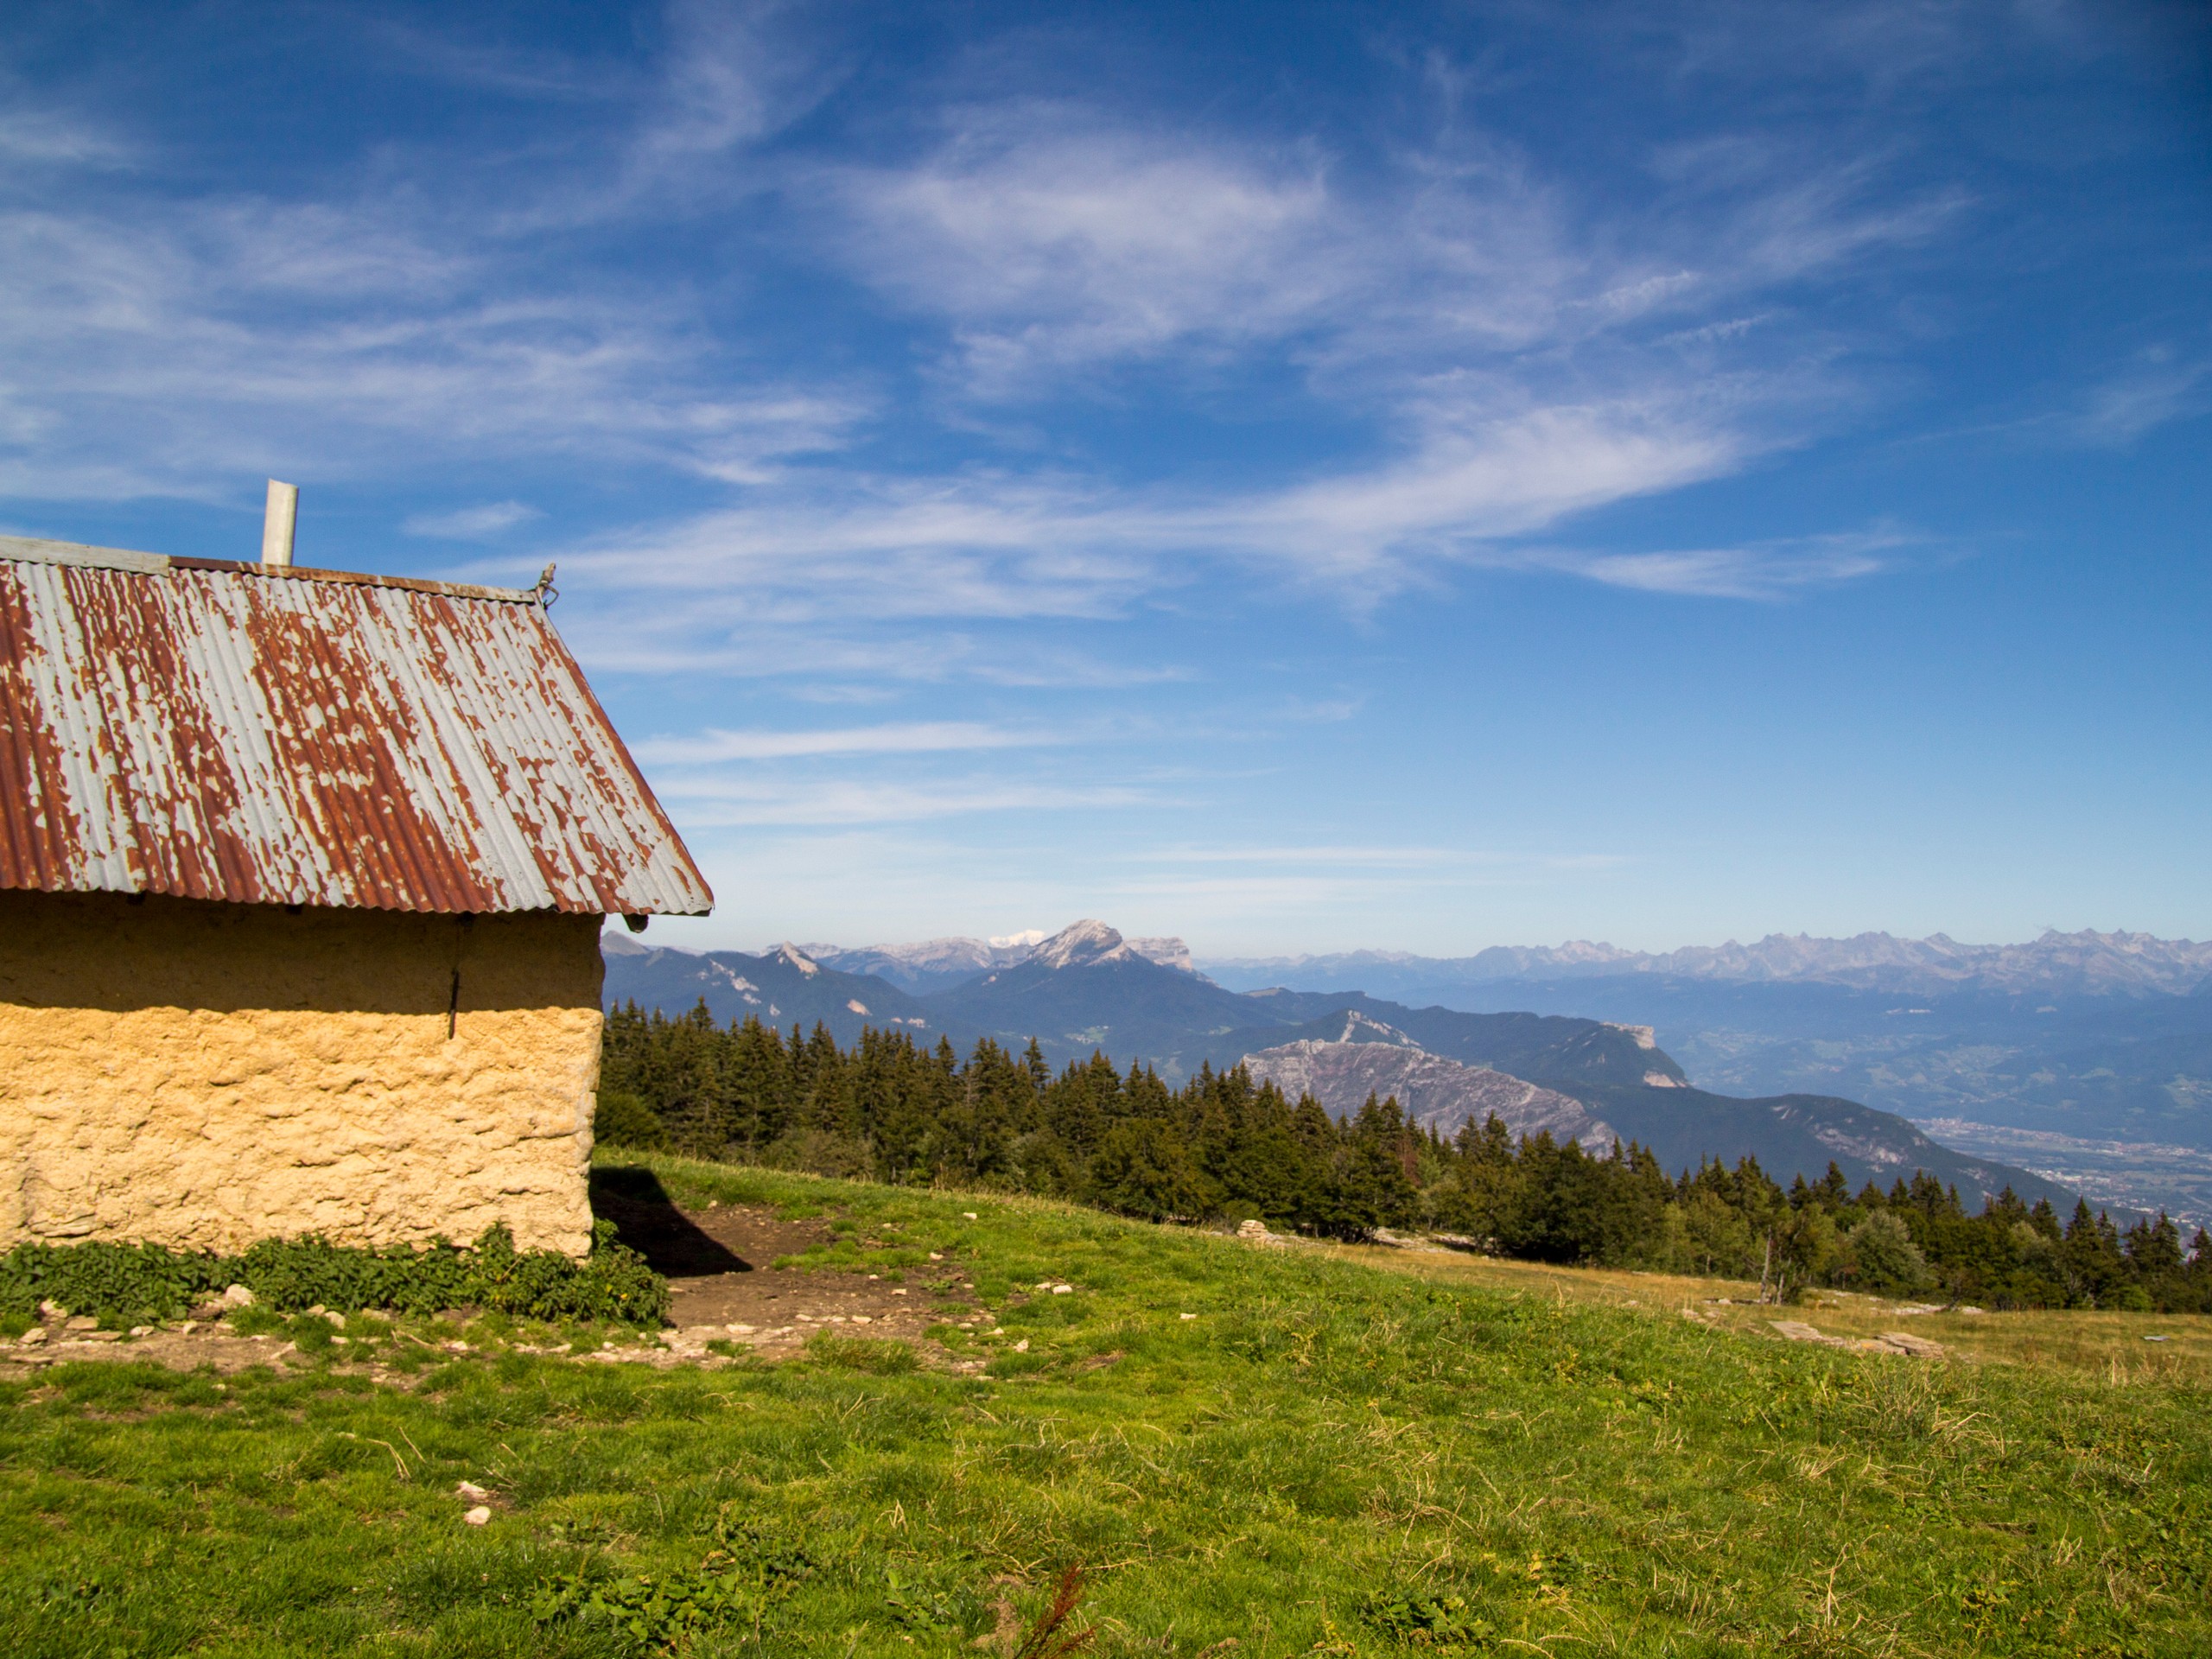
1300 477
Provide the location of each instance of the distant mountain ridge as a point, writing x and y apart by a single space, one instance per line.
939 965
784 987
1088 989
2083 963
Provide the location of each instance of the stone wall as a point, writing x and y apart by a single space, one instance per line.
204 1075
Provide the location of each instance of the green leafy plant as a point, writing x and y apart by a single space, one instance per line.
124 1283
648 1612
1420 1618
751 1567
918 1607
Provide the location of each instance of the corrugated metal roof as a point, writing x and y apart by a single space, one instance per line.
211 730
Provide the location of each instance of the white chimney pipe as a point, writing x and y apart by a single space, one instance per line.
277 525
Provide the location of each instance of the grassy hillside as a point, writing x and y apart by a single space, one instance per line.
1250 1450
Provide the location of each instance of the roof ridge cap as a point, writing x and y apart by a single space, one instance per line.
38 549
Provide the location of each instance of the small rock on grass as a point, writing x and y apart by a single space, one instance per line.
472 1492
477 1516
238 1296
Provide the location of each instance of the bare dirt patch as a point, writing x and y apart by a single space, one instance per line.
726 1291
720 1265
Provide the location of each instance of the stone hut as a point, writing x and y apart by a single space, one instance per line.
302 879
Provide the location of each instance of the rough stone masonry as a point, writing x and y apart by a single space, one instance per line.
201 1075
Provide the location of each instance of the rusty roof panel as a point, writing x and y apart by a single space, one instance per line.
224 731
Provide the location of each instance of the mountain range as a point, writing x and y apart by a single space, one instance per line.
1087 990
939 965
2086 963
2087 1055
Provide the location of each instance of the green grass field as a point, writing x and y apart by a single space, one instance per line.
1329 1458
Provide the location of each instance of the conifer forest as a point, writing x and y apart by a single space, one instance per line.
1222 1147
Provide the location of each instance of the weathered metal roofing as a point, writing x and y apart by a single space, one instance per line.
211 730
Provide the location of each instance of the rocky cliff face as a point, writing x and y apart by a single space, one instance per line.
1434 1092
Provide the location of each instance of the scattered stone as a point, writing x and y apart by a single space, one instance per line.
41 1333
969 1214
1022 1347
863 1318
472 1492
82 1322
1186 1316
739 1330
1918 1347
477 1516
936 1256
137 1331
33 1336
898 1293
1063 1290
238 1296
457 1346
1798 1330
335 1319
50 1309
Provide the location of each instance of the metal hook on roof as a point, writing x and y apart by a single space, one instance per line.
546 592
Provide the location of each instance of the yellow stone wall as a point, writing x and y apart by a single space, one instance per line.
204 1075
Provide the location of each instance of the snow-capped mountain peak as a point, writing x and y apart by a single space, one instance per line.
937 965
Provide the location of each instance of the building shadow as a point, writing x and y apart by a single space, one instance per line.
646 1219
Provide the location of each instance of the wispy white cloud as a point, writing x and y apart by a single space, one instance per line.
471 524
734 74
1048 240
905 737
1492 356
719 800
30 137
1759 570
152 347
2160 386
